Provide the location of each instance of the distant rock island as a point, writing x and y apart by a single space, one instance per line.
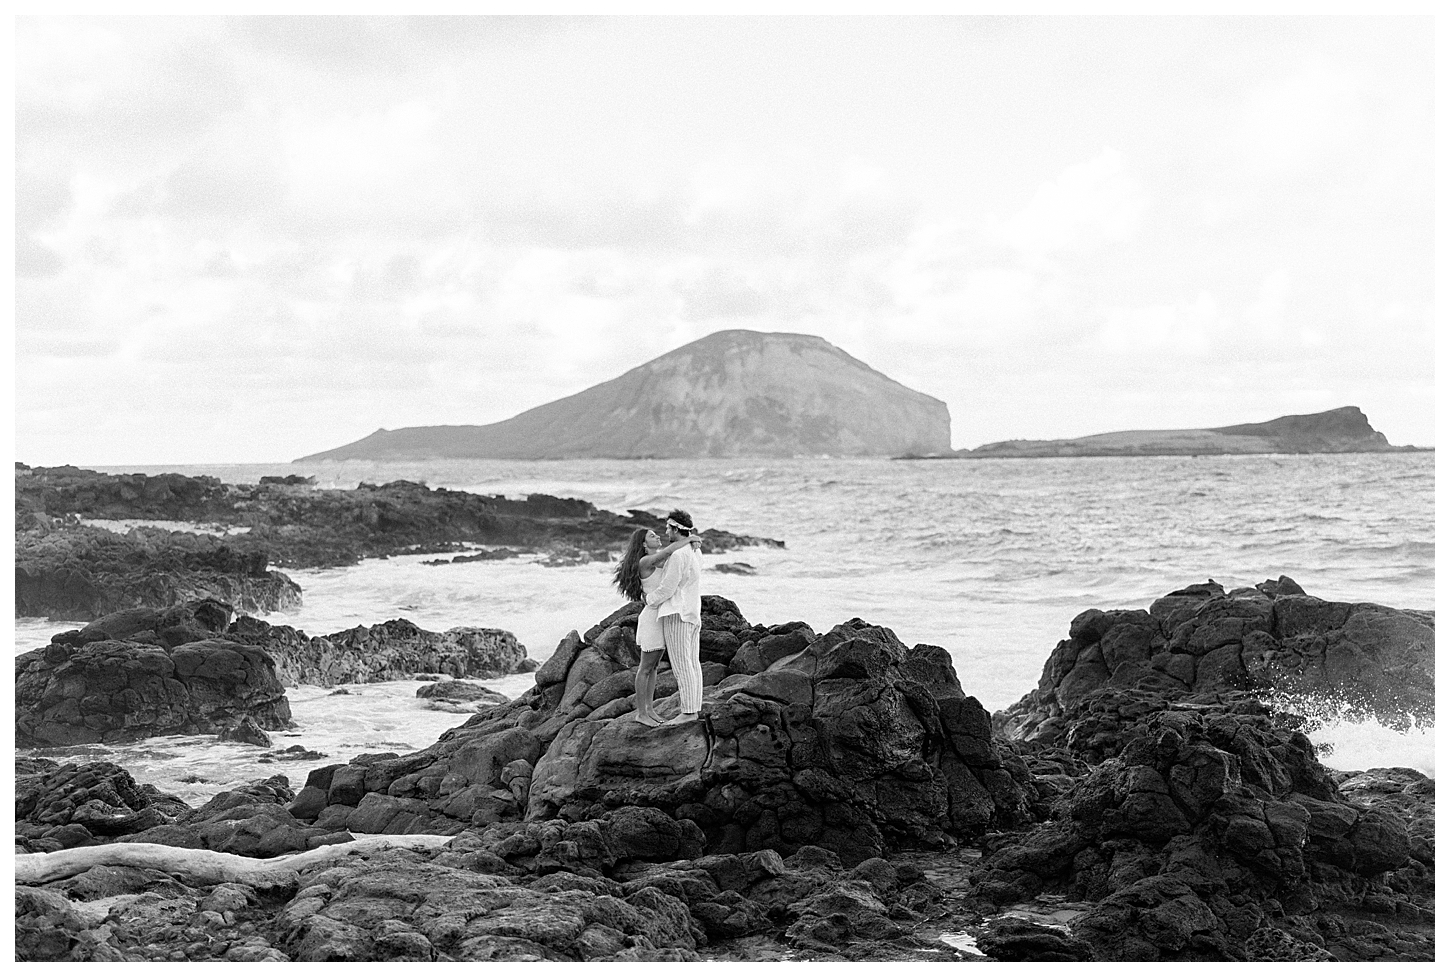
1342 430
736 393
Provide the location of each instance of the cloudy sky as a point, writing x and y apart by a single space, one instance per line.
252 239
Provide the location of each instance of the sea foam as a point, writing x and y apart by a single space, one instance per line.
1347 738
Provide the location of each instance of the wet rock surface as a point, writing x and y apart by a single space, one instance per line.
66 570
146 672
849 741
385 652
1272 638
632 885
70 572
840 799
1205 826
190 668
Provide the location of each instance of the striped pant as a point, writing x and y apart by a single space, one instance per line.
682 642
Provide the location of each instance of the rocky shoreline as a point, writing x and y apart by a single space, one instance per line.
190 669
68 570
841 798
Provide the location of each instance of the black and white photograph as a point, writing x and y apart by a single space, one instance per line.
710 487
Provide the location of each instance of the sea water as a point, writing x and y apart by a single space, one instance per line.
990 559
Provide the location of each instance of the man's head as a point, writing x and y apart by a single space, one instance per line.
678 524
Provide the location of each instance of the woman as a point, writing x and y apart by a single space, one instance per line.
635 578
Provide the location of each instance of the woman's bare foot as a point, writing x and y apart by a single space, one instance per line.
681 719
650 721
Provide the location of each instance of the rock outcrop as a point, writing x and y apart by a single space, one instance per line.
64 806
732 394
145 672
1273 639
69 572
460 696
1182 802
190 668
385 652
1338 431
1209 831
817 810
849 741
631 885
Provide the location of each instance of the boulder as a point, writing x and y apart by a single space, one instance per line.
88 688
460 692
66 571
246 731
71 805
1197 816
1271 639
385 652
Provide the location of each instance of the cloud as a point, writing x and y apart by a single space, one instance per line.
615 219
35 260
42 196
1265 315
1088 204
388 44
384 221
384 163
795 204
721 294
102 83
1302 119
229 184
1169 330
60 323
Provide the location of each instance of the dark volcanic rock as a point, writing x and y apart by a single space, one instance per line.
384 652
1272 638
65 806
93 803
1203 822
298 525
1013 940
89 687
849 741
629 886
460 692
246 731
71 572
1196 817
1141 821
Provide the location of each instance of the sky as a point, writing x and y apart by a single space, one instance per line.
251 239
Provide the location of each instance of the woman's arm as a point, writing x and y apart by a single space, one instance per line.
648 562
673 573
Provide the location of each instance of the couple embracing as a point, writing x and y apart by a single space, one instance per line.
665 574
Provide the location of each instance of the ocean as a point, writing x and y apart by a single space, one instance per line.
990 559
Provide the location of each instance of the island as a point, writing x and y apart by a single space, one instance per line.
736 393
1343 430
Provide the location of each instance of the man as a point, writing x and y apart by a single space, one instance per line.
678 600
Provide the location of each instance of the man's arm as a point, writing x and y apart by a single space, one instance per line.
668 584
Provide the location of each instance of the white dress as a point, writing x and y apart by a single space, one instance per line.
647 633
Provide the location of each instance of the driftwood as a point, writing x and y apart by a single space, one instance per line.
197 866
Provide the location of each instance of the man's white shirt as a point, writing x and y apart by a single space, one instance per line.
679 589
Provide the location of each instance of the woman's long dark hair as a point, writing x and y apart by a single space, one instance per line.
626 575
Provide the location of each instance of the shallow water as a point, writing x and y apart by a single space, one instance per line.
988 559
